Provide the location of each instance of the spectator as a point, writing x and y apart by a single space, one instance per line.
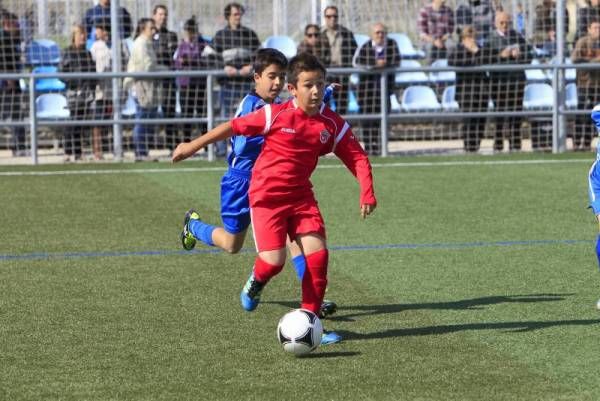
480 15
545 23
378 53
146 91
585 15
436 25
80 92
506 46
193 53
520 19
315 44
101 13
103 92
237 45
11 96
587 50
472 87
342 48
165 44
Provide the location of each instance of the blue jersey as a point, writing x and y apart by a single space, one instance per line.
245 150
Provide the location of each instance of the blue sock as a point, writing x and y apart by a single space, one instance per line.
202 231
598 250
299 263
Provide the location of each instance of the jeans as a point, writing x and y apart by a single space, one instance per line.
143 133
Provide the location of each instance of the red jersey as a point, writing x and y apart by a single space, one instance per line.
293 143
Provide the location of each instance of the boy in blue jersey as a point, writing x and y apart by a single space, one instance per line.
269 78
594 183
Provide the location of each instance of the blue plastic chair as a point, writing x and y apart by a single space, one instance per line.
48 84
411 78
571 100
420 98
52 106
353 106
284 44
407 50
442 77
42 52
538 96
449 102
361 39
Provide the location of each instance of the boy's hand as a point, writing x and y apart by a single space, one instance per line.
336 86
182 152
366 210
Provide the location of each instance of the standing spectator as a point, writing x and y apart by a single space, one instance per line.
315 44
587 50
193 53
472 87
342 48
436 26
103 92
585 15
545 22
101 13
11 96
378 53
146 91
237 45
506 46
80 92
480 15
165 45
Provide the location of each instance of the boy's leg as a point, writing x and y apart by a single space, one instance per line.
266 266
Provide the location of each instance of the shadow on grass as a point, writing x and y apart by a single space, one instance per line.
339 354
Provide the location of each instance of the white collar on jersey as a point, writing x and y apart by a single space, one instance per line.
295 103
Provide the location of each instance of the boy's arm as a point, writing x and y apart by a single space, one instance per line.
347 148
187 149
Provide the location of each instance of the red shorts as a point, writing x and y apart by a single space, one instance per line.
271 225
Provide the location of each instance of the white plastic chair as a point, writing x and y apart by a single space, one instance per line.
442 76
538 96
395 104
52 106
128 109
571 100
420 98
407 50
536 75
411 78
284 44
449 102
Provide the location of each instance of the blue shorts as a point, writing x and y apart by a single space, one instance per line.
594 187
235 203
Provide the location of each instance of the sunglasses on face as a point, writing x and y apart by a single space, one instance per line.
331 16
312 35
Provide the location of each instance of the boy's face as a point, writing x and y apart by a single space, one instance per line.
270 82
308 91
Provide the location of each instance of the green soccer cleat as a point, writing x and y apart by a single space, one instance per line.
187 238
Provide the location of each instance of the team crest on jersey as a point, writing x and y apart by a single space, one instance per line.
325 136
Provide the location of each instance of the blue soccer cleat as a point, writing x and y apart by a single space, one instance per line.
330 337
187 238
250 295
596 116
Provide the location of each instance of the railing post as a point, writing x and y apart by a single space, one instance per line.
115 33
210 113
384 113
33 121
559 134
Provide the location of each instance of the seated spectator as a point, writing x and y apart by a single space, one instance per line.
585 15
315 44
545 22
436 26
102 104
378 53
587 50
145 91
100 13
480 15
80 92
472 87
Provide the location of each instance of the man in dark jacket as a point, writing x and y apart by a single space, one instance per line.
378 53
343 46
101 12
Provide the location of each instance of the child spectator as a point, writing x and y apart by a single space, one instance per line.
103 94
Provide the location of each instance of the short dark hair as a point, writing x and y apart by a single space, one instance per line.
330 8
191 25
228 7
158 7
311 26
267 57
303 62
103 23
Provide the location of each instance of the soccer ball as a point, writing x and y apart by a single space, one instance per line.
299 331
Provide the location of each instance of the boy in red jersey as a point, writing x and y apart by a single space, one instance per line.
281 198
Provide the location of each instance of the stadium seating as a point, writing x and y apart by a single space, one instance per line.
442 77
361 39
571 100
538 96
449 102
570 73
407 50
284 44
128 109
411 78
353 106
52 106
420 98
42 52
48 84
395 104
537 75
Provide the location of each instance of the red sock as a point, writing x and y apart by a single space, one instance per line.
264 271
314 281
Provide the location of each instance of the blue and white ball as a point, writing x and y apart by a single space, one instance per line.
300 331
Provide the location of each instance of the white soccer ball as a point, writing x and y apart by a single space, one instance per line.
300 331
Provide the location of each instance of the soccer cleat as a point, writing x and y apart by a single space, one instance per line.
596 116
187 238
327 309
250 295
330 337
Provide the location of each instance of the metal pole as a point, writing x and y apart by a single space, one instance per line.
314 12
559 134
116 67
276 15
42 17
384 114
210 114
33 121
